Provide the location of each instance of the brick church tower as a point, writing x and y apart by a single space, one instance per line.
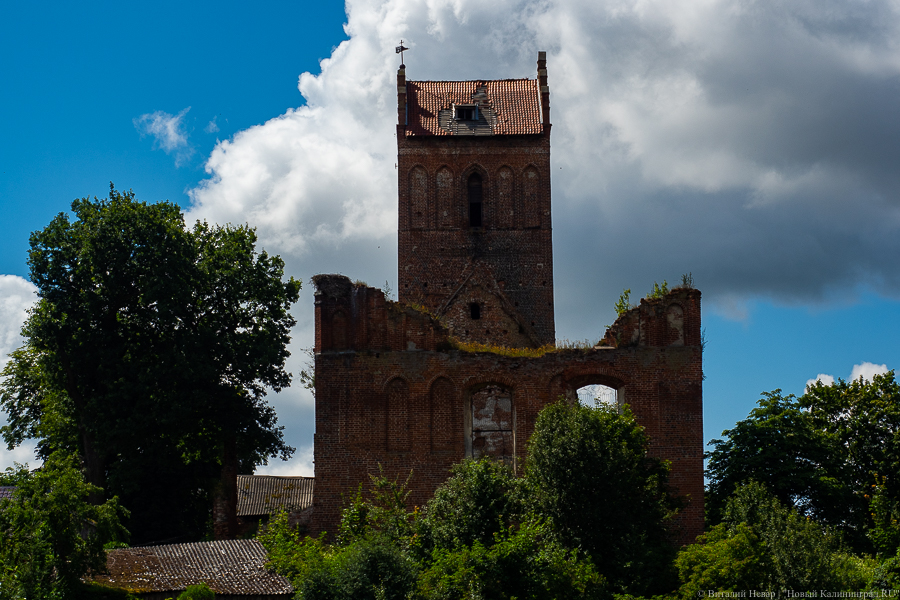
395 390
475 243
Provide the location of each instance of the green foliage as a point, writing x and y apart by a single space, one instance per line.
777 445
724 559
14 475
523 562
589 474
51 535
623 304
659 291
687 281
764 545
150 351
480 500
368 566
886 576
471 540
885 513
200 591
819 453
385 513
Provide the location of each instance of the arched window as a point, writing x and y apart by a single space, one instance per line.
475 196
596 395
492 424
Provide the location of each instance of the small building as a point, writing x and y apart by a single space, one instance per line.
259 496
233 569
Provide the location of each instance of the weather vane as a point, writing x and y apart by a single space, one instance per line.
399 50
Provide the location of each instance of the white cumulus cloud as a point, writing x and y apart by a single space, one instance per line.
750 143
867 370
825 379
16 297
168 132
746 143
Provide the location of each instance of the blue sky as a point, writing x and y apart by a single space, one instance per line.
752 144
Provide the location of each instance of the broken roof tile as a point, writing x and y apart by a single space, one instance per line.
506 107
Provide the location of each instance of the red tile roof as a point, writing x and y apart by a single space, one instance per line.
229 567
506 107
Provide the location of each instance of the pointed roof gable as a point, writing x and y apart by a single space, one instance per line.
478 274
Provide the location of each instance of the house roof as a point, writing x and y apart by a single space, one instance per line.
266 494
235 567
505 107
6 491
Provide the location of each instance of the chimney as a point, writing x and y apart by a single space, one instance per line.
401 98
545 89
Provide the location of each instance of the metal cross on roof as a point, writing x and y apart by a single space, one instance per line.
399 50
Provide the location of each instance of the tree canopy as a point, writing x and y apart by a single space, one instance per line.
589 473
823 453
50 535
149 353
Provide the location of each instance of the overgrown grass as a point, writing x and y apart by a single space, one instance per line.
563 344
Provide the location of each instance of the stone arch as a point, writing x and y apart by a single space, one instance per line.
398 418
505 213
579 380
447 208
340 331
491 422
675 325
445 416
418 197
531 197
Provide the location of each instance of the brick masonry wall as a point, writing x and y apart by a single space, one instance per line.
391 390
436 244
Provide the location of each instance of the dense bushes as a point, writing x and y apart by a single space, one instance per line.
50 534
487 534
590 518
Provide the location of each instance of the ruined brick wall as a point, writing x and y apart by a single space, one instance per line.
391 390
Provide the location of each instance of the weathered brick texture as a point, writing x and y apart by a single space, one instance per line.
393 391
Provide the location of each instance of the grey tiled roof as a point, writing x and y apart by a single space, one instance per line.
6 491
266 494
235 567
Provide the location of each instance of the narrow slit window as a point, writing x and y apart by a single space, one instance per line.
475 197
475 311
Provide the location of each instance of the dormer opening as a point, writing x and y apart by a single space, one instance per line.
465 112
474 189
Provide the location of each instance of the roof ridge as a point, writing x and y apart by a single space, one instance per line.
408 81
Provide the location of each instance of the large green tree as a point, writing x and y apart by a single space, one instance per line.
589 474
149 353
822 453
